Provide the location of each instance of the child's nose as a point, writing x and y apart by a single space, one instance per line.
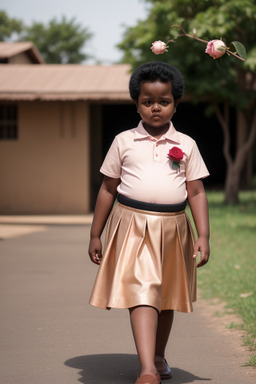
156 107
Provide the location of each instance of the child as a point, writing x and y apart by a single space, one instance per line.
149 262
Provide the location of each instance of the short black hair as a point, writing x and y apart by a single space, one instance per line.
153 71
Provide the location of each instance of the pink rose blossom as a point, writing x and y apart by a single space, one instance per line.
216 48
158 47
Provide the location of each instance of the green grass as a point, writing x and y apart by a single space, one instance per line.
231 272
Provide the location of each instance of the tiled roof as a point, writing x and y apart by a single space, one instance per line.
64 82
8 50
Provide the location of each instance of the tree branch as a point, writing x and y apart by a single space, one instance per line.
224 122
242 152
184 33
234 54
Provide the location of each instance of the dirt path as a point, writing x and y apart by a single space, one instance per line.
49 334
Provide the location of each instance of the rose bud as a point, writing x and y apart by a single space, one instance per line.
216 48
158 47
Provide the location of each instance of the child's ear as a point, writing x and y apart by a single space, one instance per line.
137 106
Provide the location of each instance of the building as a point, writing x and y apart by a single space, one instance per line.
51 141
20 53
56 124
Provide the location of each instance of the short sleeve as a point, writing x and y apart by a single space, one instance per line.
112 163
196 168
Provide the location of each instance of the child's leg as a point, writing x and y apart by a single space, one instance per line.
144 321
165 320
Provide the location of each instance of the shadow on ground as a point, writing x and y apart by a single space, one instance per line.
119 369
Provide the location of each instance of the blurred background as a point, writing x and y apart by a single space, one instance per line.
64 73
57 119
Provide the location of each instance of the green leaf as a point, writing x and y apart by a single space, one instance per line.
240 49
175 165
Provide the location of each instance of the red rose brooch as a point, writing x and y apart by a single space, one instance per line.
175 155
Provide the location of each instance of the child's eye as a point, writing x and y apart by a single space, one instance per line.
164 102
147 103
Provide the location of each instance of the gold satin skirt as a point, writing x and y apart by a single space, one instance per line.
147 260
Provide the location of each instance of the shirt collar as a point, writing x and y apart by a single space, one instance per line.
170 135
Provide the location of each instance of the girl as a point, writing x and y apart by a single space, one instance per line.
149 262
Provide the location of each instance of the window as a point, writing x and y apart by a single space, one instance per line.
8 122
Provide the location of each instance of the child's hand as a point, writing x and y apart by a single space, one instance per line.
202 246
95 249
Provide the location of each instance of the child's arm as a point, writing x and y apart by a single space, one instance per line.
104 203
199 207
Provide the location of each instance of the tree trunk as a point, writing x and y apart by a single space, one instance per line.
232 185
236 165
241 137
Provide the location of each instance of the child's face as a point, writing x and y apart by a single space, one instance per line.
156 106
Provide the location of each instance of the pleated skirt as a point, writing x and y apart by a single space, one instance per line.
147 260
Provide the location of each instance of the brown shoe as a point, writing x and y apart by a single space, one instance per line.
149 379
163 369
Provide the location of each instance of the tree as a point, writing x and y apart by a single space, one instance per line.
59 42
226 82
9 26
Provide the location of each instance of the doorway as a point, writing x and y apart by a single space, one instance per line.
106 121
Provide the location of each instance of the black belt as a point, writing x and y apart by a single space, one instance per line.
150 206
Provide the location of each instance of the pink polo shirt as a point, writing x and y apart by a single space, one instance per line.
146 173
